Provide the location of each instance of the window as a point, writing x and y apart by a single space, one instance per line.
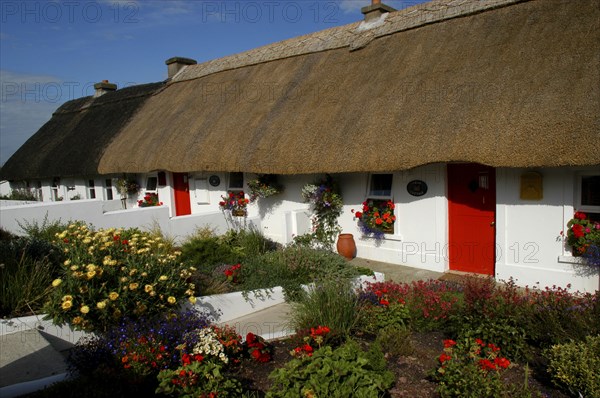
380 186
54 188
151 183
91 189
588 196
236 181
108 189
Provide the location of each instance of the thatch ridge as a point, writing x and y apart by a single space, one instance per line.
353 36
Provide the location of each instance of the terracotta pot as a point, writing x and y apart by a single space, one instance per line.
346 246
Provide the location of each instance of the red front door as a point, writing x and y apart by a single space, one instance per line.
471 218
182 194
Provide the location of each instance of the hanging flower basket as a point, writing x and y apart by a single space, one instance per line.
235 202
263 186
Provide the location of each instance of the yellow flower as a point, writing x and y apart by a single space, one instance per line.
87 241
91 274
133 286
148 288
84 309
163 278
67 304
132 272
113 296
192 299
90 267
56 282
83 289
124 279
101 305
77 320
67 263
171 300
68 297
74 267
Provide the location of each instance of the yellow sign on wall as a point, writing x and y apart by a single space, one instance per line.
531 186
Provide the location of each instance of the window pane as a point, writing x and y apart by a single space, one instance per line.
381 185
91 183
236 180
590 191
151 183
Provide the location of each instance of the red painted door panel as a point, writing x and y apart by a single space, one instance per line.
182 194
471 218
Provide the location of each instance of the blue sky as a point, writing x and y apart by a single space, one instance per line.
54 51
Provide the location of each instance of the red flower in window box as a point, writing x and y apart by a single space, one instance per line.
583 235
377 218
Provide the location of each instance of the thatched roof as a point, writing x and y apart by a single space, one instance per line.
500 82
77 135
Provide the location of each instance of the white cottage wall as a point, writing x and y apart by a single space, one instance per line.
529 246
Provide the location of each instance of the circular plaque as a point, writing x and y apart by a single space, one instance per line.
417 188
214 180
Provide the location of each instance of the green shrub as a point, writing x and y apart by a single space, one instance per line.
346 371
557 316
206 253
198 379
470 368
575 366
377 317
291 267
112 273
46 230
20 194
27 269
505 332
395 341
330 302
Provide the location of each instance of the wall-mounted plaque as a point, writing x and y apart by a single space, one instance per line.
214 180
417 188
531 186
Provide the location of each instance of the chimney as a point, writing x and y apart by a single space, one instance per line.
175 64
103 87
375 10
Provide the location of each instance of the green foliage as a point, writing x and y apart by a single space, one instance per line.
470 369
326 204
506 332
376 317
20 194
112 273
346 371
27 269
291 267
575 366
395 341
196 379
330 302
47 230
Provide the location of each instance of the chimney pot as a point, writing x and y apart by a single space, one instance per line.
375 10
175 64
103 87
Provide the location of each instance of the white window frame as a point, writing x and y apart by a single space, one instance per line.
369 195
578 183
148 177
91 189
232 188
108 189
